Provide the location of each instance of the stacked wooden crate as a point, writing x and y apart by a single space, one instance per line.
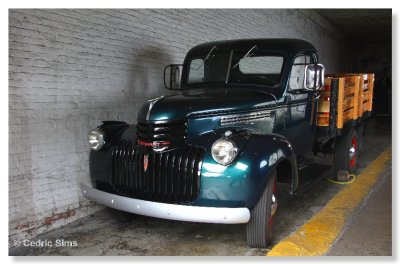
354 98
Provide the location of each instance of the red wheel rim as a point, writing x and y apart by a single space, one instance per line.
352 152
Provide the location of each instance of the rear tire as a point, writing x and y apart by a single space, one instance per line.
260 227
346 151
360 135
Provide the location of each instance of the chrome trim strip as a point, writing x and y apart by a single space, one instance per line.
245 118
201 214
152 102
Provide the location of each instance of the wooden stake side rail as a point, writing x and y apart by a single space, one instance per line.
354 98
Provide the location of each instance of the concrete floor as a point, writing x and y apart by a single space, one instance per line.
369 231
101 234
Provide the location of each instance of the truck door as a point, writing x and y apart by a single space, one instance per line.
300 111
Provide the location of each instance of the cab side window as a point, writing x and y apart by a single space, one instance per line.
296 80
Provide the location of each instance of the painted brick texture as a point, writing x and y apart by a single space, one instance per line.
71 69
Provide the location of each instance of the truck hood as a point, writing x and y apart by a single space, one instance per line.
205 102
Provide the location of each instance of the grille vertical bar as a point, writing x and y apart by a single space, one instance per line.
172 176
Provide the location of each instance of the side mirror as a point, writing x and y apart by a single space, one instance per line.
314 76
172 76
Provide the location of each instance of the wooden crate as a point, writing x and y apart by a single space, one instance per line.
354 98
366 86
324 104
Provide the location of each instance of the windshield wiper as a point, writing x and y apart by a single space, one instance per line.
248 54
207 57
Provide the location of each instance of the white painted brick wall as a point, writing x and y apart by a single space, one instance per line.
70 69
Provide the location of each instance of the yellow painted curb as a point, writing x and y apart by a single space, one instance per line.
316 236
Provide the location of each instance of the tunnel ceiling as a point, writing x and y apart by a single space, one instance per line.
361 25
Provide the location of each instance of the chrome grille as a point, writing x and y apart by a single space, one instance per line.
171 176
168 130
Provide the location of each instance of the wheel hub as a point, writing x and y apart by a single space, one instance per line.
352 152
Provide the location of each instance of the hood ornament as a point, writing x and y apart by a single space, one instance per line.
152 102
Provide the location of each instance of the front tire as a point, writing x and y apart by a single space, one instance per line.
346 151
260 227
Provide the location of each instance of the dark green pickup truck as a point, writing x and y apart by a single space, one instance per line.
242 116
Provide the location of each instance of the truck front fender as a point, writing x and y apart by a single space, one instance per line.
242 182
100 160
272 152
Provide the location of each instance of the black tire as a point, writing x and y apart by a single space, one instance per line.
360 135
120 216
260 227
346 151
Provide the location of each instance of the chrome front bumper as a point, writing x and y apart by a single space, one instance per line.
168 211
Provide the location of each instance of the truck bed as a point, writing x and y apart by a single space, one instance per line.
344 98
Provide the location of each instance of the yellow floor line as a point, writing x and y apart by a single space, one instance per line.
316 236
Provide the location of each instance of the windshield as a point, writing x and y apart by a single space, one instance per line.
236 66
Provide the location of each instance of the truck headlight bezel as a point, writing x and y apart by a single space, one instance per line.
224 151
96 139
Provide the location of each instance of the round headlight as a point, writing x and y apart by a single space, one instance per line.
96 139
223 151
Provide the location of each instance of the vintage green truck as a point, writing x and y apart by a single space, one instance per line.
243 115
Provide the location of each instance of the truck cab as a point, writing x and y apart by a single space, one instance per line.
240 117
